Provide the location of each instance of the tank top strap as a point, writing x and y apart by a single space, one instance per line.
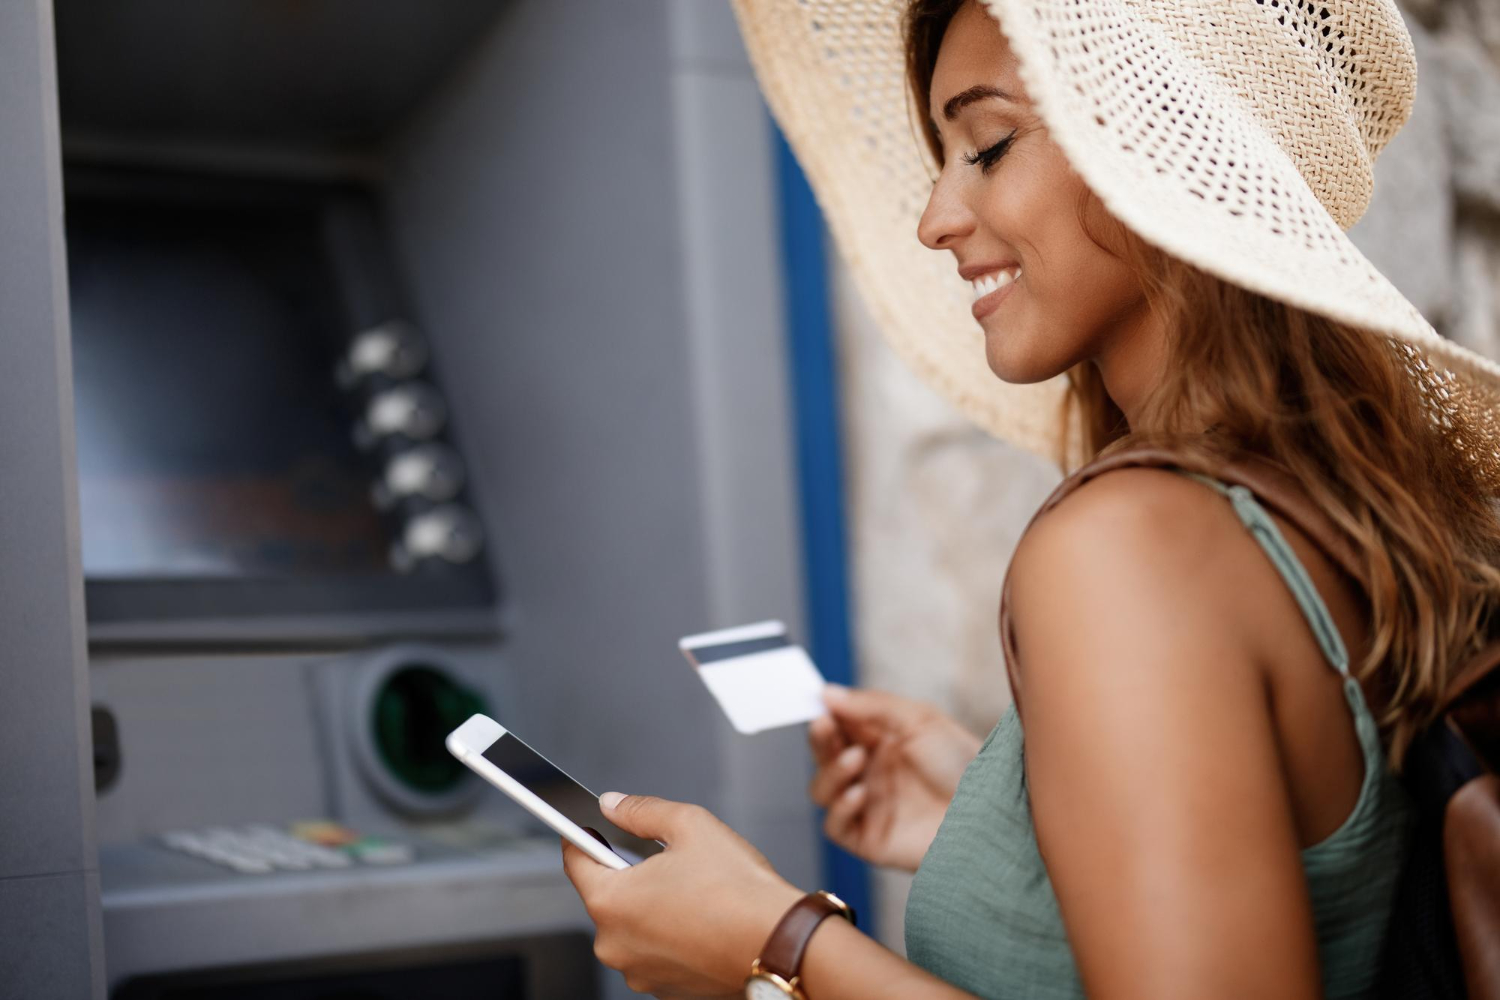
1284 558
1257 520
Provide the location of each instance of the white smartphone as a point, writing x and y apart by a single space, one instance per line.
545 790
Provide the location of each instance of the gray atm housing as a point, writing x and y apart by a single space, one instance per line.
580 201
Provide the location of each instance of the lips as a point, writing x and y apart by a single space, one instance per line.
969 272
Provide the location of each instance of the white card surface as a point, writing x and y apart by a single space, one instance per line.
767 689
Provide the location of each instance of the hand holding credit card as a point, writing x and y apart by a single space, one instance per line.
760 678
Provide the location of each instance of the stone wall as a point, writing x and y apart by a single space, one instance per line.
936 506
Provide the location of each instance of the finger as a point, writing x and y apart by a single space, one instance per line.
583 871
882 779
867 714
648 816
844 814
831 780
825 738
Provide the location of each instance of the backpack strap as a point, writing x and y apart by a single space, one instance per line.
1272 483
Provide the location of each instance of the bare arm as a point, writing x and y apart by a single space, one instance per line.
689 921
1157 791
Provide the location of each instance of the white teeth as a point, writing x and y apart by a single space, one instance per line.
984 284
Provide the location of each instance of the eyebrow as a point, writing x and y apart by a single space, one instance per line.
978 92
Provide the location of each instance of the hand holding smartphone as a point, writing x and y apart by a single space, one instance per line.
545 790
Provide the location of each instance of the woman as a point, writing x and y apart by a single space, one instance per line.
1202 801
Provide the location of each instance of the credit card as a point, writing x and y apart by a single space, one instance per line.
760 678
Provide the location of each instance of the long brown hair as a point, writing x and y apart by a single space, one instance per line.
1340 408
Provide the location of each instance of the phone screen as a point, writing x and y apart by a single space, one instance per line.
548 782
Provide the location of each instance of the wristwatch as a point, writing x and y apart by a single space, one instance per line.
775 975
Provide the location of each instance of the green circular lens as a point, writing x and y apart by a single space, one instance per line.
415 709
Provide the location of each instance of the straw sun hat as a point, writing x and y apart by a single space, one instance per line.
1237 135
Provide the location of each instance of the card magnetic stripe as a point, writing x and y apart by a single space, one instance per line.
729 650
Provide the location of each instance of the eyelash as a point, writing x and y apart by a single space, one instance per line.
987 158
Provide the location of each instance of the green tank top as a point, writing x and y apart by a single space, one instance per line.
982 914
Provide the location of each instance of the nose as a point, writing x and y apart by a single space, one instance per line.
947 219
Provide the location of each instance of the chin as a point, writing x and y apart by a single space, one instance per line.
1011 361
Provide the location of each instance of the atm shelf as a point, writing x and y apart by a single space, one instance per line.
166 911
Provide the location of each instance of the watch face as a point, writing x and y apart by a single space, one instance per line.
764 988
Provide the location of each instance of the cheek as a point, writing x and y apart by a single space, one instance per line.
1071 295
1087 285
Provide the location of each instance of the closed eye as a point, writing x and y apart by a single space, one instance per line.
988 157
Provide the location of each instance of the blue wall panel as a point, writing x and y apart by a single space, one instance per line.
814 380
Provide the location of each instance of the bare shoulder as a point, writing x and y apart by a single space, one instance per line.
1155 513
1163 544
1152 763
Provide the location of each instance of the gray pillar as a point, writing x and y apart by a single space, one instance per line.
51 941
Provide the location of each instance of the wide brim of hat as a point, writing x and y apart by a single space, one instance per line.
1211 187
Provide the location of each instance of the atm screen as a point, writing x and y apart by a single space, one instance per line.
213 440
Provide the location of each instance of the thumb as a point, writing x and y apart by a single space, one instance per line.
645 815
869 714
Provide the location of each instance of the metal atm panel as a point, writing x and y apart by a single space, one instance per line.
613 374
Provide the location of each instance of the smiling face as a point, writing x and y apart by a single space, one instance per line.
1006 205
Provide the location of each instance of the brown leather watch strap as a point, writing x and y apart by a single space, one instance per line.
788 941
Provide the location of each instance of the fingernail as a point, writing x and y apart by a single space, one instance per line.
851 754
834 692
610 799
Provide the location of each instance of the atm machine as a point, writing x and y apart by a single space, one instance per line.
421 359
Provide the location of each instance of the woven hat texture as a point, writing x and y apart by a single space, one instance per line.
1237 135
